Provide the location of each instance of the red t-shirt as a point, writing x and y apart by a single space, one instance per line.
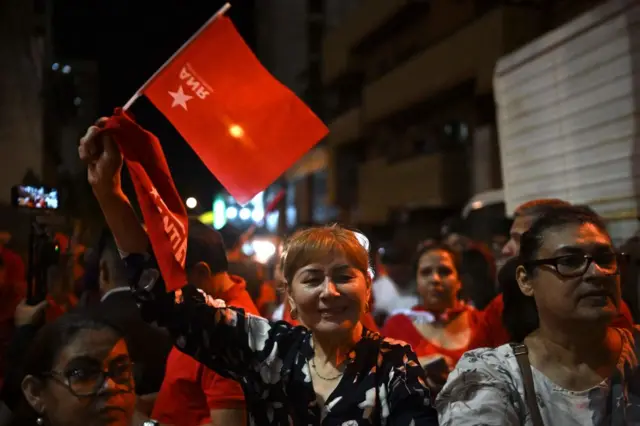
267 296
12 291
401 327
55 310
14 288
190 390
491 333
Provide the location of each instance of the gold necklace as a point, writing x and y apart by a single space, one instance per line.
327 379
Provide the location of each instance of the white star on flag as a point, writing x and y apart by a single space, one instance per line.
179 98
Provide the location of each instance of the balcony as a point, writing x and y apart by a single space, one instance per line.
345 128
361 22
435 69
429 181
312 162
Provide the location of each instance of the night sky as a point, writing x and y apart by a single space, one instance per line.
130 39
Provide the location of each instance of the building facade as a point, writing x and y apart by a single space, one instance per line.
25 47
410 105
290 39
45 105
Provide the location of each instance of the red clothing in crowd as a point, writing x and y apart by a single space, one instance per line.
401 327
190 390
268 297
13 287
13 290
491 333
55 309
367 319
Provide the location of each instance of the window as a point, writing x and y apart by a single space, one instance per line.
347 158
455 131
316 35
40 7
315 7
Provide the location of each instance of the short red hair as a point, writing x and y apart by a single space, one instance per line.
319 243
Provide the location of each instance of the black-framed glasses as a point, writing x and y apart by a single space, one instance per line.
577 264
89 381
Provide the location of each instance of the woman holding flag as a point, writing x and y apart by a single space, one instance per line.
333 371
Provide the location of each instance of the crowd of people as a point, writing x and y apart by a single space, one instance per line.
446 335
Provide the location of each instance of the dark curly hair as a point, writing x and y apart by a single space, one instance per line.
433 245
45 348
539 207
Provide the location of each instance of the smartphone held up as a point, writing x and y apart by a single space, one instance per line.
35 197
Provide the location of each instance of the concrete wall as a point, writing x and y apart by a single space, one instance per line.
21 125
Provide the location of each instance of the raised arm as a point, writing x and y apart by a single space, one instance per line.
104 161
226 340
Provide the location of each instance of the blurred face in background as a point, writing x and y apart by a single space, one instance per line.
3 274
438 280
456 241
521 224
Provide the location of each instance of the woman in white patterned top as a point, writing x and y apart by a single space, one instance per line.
583 371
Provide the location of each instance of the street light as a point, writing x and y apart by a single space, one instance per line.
245 213
191 203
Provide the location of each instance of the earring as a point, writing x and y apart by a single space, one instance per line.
40 421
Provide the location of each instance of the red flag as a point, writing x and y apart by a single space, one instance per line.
163 212
245 126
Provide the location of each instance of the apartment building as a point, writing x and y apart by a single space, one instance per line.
290 38
410 106
24 47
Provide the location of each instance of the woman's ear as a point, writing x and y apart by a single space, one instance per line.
287 293
524 281
293 308
104 272
201 269
199 274
33 388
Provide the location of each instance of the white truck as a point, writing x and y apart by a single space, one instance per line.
568 112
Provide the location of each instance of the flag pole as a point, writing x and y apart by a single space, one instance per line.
138 93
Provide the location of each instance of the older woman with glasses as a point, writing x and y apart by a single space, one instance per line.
77 372
569 365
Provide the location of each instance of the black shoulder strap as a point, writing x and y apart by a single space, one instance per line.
522 357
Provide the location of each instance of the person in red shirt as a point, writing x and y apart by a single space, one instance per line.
191 394
12 283
441 325
268 299
60 290
490 331
12 292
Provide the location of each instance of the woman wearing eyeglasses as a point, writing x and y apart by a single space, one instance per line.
77 372
569 366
